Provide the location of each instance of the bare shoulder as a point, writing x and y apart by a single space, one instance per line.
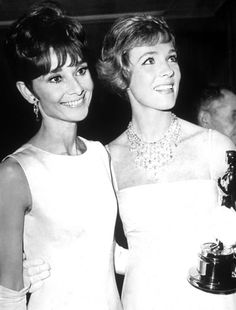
10 171
199 135
13 183
210 143
192 131
220 144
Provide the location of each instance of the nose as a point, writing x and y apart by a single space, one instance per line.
75 87
166 70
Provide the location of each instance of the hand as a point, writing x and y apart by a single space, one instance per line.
35 272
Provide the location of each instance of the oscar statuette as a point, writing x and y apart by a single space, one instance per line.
215 272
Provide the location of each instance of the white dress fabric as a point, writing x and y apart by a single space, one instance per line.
71 226
165 225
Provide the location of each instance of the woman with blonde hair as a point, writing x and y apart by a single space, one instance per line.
166 170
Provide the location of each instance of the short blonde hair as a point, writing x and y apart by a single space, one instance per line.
126 33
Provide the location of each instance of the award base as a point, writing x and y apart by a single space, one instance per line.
216 269
210 285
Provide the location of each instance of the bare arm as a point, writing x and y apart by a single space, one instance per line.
14 201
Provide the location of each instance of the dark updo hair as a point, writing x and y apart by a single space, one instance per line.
126 33
43 28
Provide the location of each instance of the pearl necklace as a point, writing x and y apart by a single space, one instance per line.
154 155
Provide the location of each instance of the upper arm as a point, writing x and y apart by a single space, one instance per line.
220 144
14 200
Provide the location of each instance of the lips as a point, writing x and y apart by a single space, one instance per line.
73 103
164 88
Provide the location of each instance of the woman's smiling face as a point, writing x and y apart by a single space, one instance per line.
64 93
155 76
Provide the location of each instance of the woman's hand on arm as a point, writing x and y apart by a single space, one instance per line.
35 272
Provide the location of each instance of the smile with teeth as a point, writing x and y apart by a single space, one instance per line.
74 103
165 87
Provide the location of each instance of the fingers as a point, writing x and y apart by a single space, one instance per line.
34 287
35 267
38 280
35 272
40 277
33 262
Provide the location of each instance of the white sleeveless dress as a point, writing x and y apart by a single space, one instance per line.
165 225
71 226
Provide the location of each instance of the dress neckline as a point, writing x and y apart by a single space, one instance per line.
60 155
135 187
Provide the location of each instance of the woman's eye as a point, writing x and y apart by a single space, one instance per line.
82 70
55 79
173 58
149 61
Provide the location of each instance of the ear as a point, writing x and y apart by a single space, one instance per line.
25 92
204 119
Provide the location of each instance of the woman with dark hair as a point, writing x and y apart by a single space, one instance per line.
57 199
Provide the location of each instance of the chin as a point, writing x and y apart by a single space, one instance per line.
82 117
168 103
83 114
167 106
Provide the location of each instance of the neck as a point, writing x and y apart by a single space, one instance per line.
60 140
158 151
153 127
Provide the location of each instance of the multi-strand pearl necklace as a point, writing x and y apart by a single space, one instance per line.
156 154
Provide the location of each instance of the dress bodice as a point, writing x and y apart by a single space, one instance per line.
165 225
71 226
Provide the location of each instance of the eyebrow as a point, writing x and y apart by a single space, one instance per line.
155 52
59 69
55 70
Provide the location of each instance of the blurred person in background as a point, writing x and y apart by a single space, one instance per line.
217 110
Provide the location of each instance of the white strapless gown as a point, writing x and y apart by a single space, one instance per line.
165 225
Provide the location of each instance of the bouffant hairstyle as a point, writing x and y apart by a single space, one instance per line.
126 33
42 29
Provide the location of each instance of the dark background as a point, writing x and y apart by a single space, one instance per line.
206 40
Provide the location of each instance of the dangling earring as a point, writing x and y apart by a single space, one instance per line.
36 109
